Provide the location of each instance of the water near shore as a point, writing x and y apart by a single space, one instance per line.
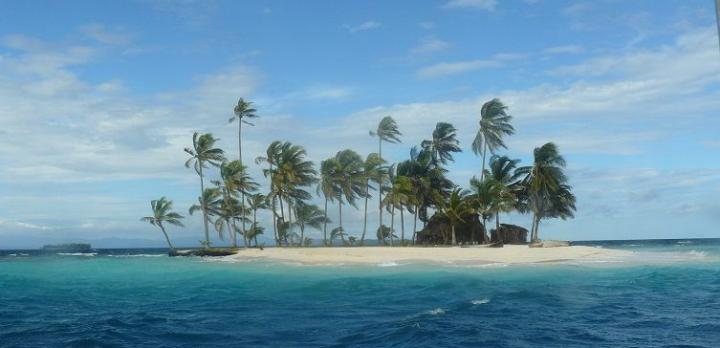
667 294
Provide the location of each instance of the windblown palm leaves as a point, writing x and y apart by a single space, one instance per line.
243 112
372 170
387 131
202 153
547 192
208 204
494 125
442 145
163 213
307 215
348 178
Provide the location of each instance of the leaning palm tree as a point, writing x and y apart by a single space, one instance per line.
234 180
348 177
546 188
494 124
328 188
271 158
162 213
292 174
387 131
202 153
442 145
307 215
397 198
454 209
242 112
208 204
256 202
372 169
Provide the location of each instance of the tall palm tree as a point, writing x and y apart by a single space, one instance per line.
202 153
494 125
293 172
256 202
243 111
348 176
548 194
209 203
442 145
271 158
307 215
234 180
372 169
454 209
162 213
386 131
328 188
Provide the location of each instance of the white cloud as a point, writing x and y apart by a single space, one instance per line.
566 49
100 33
488 5
430 45
453 68
427 25
365 26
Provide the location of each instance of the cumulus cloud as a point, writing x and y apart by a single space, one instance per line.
488 5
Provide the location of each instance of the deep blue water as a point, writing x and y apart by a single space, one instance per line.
149 300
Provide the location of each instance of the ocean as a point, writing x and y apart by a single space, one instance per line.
666 295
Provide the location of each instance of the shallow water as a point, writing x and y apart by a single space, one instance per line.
665 295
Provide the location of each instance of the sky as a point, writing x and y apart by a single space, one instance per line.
98 100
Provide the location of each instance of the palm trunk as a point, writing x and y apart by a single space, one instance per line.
302 235
392 226
274 219
380 211
325 224
290 225
482 174
282 215
342 230
415 226
255 226
497 226
242 217
452 228
166 237
202 206
231 230
367 191
484 228
240 140
402 226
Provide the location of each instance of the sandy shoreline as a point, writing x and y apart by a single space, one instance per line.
510 254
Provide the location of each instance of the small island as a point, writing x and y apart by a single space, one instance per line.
67 248
417 204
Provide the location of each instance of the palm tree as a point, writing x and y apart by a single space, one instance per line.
307 215
162 212
372 169
337 232
234 180
494 124
204 152
397 198
442 145
243 111
547 192
254 231
383 233
454 209
208 203
502 171
387 131
256 202
293 172
272 154
228 211
328 188
348 177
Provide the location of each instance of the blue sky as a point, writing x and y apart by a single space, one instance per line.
98 99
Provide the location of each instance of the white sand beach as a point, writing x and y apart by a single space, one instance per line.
509 254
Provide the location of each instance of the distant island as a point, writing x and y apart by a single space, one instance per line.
68 248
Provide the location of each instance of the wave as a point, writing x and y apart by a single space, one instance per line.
78 254
436 311
388 264
480 301
139 255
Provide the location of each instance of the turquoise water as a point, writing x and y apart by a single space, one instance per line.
668 295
